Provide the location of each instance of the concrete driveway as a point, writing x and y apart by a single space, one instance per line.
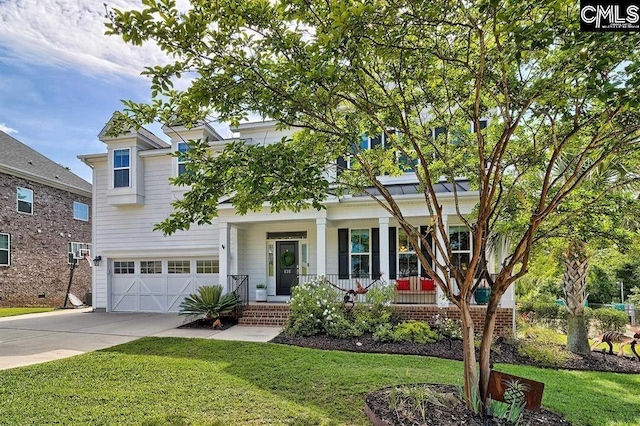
31 339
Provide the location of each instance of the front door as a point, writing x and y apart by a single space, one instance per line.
287 266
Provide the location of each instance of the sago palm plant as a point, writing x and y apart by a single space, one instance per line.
209 303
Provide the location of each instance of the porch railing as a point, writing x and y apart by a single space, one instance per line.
411 290
239 284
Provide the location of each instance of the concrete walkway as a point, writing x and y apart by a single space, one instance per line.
35 338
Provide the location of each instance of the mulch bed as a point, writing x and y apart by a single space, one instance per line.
226 322
503 352
380 413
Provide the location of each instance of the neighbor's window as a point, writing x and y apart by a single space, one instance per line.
207 266
25 200
120 267
179 267
182 162
5 249
360 251
151 267
460 239
407 257
121 168
80 211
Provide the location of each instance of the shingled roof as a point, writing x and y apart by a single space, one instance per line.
18 159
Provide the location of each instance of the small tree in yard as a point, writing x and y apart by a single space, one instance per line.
338 69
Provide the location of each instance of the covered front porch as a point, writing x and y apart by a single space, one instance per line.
351 248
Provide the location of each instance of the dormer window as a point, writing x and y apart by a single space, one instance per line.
121 168
182 162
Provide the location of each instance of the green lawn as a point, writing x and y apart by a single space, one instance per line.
9 312
169 381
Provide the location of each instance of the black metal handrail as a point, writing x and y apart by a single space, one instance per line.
239 284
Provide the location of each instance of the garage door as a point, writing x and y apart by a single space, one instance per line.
158 285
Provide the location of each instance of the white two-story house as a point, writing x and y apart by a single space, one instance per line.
352 239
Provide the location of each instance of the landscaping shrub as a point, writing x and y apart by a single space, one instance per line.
409 331
608 319
544 346
384 333
377 310
448 328
209 303
313 305
339 326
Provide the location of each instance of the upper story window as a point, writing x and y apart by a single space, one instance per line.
25 200
182 162
460 239
360 252
5 249
80 211
121 168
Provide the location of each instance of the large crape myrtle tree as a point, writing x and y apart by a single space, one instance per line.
339 69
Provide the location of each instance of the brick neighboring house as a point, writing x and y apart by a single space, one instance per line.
44 213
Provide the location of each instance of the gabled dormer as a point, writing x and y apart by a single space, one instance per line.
125 185
180 135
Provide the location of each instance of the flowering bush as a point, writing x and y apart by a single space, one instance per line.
313 305
318 308
448 328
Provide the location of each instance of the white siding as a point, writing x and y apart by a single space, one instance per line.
127 231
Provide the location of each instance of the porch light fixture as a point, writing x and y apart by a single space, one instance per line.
96 260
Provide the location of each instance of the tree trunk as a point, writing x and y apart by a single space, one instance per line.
468 353
485 345
577 336
574 288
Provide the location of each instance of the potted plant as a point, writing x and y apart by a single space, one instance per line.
482 293
261 292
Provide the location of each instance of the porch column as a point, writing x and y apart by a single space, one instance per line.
223 257
383 224
233 250
321 246
441 299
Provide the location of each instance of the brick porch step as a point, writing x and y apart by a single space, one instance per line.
267 314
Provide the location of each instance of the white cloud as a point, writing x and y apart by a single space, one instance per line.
70 34
8 130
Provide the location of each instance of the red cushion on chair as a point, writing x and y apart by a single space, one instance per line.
403 284
427 284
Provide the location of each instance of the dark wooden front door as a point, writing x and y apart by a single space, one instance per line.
287 275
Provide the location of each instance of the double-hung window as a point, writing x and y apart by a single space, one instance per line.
5 249
460 240
121 168
80 211
407 257
360 252
25 200
182 162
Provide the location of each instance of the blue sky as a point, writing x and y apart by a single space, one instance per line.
61 78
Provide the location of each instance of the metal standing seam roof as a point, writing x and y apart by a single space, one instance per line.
18 156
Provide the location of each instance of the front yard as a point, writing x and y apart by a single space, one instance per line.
10 312
159 381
